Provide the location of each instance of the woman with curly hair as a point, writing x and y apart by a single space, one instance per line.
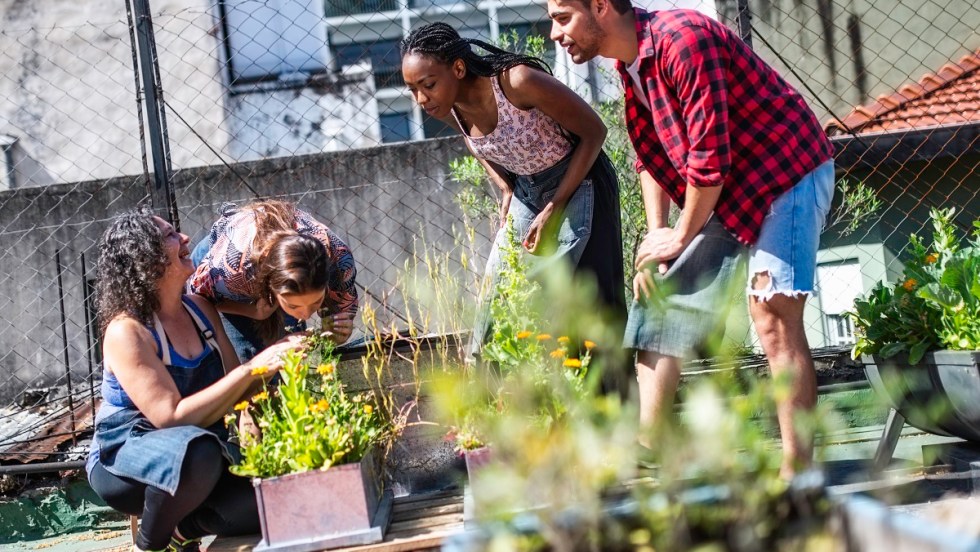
160 449
268 267
539 142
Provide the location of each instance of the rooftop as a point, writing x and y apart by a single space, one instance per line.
948 97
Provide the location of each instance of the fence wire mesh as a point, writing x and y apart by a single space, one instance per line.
300 99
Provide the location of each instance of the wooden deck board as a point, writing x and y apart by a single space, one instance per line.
418 522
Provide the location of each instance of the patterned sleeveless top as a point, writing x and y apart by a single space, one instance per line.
524 142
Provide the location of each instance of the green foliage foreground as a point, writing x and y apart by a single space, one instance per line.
935 305
565 464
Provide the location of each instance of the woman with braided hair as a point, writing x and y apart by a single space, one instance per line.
539 142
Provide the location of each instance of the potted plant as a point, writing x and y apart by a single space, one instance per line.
519 363
920 337
316 458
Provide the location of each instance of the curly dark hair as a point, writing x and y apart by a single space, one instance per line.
131 260
442 42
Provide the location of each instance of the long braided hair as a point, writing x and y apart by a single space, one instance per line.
442 42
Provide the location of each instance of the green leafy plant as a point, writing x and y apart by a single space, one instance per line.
309 421
475 197
859 203
935 305
518 344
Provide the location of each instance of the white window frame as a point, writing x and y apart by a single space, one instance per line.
275 39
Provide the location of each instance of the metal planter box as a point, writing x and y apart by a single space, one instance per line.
316 510
871 526
940 394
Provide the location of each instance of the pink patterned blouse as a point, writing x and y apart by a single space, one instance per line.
525 141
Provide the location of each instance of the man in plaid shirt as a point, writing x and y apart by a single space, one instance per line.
726 138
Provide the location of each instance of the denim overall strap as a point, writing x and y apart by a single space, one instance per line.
203 327
164 342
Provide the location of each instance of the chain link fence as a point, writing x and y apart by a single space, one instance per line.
300 99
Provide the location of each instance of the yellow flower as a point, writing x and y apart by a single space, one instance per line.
242 405
260 370
572 363
320 405
543 337
589 344
368 409
557 353
325 369
910 284
524 334
261 396
563 339
229 420
931 258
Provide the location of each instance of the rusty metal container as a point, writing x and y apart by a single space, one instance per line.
316 510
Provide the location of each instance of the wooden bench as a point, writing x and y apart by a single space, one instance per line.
418 522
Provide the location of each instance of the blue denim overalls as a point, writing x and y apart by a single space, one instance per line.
128 445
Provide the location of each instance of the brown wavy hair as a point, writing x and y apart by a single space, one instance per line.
131 260
287 261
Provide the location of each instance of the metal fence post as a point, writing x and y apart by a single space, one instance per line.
161 190
745 22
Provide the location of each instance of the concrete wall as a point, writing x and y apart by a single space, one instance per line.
67 94
379 200
67 90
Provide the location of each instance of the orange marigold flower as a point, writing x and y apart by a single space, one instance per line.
572 363
931 258
242 405
910 284
543 337
261 396
260 370
557 353
589 344
320 405
563 339
524 334
368 409
325 369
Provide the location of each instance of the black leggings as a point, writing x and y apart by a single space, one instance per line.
209 500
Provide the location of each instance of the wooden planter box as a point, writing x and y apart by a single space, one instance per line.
316 510
871 526
940 394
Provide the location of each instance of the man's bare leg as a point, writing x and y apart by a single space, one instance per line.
779 323
657 376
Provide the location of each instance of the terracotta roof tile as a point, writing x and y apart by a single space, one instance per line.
950 96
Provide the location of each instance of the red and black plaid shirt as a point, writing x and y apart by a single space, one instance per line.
721 117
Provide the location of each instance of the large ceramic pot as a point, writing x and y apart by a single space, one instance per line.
940 394
321 509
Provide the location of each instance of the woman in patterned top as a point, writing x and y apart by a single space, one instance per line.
270 266
540 143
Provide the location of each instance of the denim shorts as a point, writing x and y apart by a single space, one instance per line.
693 297
787 246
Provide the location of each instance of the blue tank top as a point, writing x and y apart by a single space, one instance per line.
189 374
